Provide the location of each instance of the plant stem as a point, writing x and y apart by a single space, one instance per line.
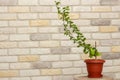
95 50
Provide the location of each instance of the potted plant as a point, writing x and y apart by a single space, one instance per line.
94 66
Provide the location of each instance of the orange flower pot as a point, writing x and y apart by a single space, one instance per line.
94 67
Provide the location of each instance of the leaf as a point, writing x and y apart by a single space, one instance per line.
92 51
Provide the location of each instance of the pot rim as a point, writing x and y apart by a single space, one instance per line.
94 61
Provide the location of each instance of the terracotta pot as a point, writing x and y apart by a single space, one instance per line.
94 67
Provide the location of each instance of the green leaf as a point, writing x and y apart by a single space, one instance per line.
92 51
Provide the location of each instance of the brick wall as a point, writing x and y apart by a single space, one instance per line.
33 47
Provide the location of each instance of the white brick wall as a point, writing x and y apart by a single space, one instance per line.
20 66
50 58
72 71
70 57
33 45
42 78
20 78
8 59
28 2
29 72
62 64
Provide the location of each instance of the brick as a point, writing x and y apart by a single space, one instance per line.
51 72
3 23
116 35
62 78
60 50
70 2
109 15
8 2
28 44
77 50
74 15
17 51
8 16
115 48
116 8
100 22
4 66
27 30
49 30
109 2
46 2
41 65
115 22
70 57
50 57
28 2
7 30
27 16
56 22
40 51
19 37
40 9
3 52
104 49
59 37
33 72
111 69
82 22
110 56
81 8
116 62
18 23
90 2
8 44
20 65
4 37
18 9
89 15
87 35
3 9
108 63
62 64
48 16
42 78
39 23
20 78
4 78
84 70
108 29
79 64
8 59
67 43
101 9
101 36
49 44
92 42
28 58
71 71
89 29
8 73
110 42
39 37
117 76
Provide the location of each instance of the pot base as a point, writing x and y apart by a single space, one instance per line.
95 76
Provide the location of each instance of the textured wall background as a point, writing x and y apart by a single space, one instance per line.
33 47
